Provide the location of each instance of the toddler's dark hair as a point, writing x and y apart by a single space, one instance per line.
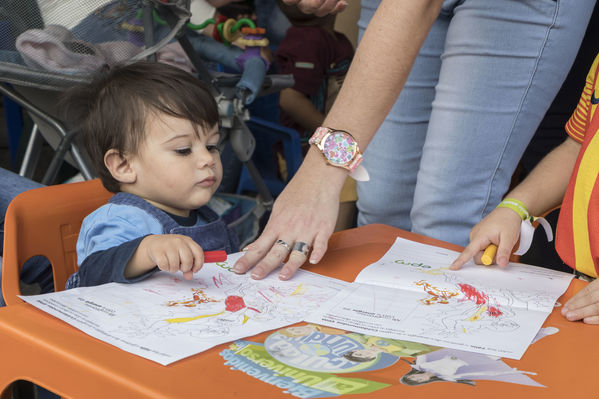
111 112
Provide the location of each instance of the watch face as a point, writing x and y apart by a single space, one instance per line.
339 148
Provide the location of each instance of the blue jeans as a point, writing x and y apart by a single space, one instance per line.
36 270
481 84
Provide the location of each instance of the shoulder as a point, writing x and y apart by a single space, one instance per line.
120 214
592 75
112 225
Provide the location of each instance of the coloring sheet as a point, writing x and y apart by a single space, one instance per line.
411 294
166 318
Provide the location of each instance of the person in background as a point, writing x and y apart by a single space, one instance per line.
318 57
36 271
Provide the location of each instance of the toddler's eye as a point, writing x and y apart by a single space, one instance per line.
213 147
183 151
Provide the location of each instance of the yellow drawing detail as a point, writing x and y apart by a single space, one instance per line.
476 316
186 319
300 290
435 272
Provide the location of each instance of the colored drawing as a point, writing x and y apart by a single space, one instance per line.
166 317
410 294
436 295
465 309
198 298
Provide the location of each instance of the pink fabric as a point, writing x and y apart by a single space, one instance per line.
174 54
56 49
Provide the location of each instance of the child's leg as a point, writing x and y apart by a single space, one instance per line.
37 270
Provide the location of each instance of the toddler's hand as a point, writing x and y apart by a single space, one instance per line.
584 305
173 252
500 227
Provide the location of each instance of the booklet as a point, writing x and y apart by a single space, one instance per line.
411 294
166 318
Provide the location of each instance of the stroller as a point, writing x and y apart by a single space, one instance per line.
47 46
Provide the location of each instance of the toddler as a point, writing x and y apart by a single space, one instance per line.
151 132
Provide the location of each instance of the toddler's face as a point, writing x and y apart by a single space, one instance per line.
177 171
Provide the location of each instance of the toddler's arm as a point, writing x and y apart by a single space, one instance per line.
170 252
541 191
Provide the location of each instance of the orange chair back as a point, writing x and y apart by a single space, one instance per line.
46 221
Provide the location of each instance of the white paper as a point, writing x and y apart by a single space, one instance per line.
411 294
166 318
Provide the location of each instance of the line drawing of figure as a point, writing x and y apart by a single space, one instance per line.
451 365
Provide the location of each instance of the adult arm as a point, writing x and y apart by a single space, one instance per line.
306 210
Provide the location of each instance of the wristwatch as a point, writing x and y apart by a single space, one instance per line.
340 149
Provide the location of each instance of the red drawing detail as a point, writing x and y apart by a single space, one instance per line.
198 298
264 296
493 311
233 303
473 294
480 298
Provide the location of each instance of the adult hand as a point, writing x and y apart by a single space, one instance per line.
319 8
584 305
305 212
500 227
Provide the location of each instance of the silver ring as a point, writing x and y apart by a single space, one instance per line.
284 244
301 247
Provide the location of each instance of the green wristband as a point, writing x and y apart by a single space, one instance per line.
516 206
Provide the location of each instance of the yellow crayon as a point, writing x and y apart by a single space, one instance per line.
489 254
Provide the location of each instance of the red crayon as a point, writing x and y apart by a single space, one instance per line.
215 256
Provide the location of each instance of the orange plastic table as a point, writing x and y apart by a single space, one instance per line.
37 347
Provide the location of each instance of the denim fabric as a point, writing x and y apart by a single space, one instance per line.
483 80
128 218
210 231
37 269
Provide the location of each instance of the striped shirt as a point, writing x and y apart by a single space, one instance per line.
577 239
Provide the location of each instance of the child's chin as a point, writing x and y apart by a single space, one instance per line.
199 201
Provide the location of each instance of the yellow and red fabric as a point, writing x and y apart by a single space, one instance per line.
577 238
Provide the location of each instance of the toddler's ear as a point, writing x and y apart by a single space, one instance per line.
119 167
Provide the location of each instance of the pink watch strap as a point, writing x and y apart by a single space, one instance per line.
355 162
319 133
